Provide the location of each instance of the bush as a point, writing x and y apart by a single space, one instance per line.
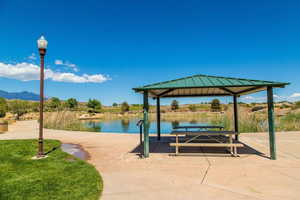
124 107
115 105
71 104
34 106
257 108
94 105
174 105
192 107
215 105
297 104
284 106
18 107
54 104
3 107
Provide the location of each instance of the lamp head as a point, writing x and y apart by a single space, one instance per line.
42 43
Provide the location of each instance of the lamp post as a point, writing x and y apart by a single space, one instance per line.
42 45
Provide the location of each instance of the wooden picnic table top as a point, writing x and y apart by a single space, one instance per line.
204 133
201 126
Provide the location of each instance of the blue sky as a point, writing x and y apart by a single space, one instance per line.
122 44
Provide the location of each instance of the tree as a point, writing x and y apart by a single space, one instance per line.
71 103
3 107
124 107
215 105
297 104
54 103
192 107
115 105
174 105
94 105
18 107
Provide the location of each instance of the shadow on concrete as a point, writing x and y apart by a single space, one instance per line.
162 146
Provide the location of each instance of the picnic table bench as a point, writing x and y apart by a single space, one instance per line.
200 127
224 141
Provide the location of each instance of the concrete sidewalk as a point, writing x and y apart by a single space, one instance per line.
126 176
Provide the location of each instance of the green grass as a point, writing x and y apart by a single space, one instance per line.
59 176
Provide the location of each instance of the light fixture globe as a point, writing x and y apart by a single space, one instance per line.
42 43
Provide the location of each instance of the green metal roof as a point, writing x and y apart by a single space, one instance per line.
204 85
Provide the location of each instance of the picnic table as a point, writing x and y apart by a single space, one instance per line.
200 127
221 139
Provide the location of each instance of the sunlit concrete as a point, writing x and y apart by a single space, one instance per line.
209 175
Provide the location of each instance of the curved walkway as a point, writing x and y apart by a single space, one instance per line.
126 176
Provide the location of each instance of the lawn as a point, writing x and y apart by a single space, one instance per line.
59 176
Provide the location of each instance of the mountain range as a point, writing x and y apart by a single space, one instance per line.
20 95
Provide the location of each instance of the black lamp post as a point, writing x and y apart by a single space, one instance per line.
42 45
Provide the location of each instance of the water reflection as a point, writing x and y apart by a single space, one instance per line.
129 125
125 125
94 125
175 123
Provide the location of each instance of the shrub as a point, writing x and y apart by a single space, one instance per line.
124 107
94 105
18 107
71 104
115 105
3 107
53 104
174 105
297 104
215 105
192 107
257 108
34 106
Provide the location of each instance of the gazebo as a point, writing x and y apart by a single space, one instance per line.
208 86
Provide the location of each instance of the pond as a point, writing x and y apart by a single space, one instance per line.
129 125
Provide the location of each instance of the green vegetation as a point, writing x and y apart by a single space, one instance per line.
94 106
290 122
65 114
124 107
215 105
193 107
174 105
257 108
66 120
71 104
18 107
59 176
54 104
297 104
3 107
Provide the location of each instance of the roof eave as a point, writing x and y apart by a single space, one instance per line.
279 85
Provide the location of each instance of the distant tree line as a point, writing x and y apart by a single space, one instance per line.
20 107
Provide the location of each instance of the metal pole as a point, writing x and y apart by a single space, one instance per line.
141 134
41 142
146 125
236 119
271 124
158 117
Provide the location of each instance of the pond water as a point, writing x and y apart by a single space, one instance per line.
75 150
129 125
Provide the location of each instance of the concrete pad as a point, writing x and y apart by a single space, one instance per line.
208 176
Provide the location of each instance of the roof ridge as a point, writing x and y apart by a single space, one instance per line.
178 79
